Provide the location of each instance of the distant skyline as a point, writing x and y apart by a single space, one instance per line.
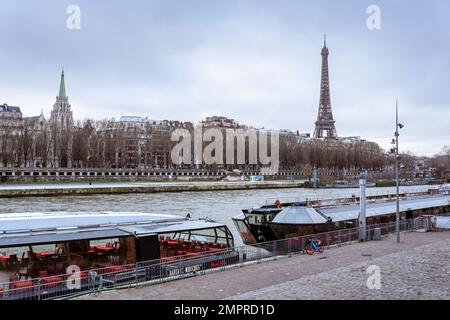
254 61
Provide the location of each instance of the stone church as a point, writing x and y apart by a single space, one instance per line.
61 129
35 141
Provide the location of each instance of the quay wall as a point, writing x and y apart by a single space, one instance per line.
156 187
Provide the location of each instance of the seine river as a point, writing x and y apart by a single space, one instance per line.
220 206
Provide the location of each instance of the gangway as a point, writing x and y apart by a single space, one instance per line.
443 222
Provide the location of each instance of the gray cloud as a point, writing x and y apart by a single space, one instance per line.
255 61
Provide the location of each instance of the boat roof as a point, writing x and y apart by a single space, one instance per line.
299 215
194 224
57 220
27 239
306 215
379 208
38 228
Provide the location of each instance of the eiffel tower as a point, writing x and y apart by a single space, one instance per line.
325 123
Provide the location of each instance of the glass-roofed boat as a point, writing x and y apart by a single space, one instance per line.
44 245
295 219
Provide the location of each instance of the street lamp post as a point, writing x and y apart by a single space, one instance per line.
362 209
397 164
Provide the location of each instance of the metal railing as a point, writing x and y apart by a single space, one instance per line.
347 196
162 270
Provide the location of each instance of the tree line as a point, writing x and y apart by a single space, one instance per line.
111 144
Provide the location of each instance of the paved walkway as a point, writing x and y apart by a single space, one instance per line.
417 268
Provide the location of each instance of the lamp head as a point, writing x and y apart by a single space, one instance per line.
401 126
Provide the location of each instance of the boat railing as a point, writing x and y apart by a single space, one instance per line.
81 282
314 199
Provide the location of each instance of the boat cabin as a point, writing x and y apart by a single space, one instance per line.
42 245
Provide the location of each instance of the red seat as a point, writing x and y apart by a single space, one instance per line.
4 261
22 286
1 292
52 282
168 259
103 249
217 264
115 269
193 254
173 244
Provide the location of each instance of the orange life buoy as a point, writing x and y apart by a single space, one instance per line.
278 204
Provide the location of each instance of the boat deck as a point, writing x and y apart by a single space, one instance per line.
383 207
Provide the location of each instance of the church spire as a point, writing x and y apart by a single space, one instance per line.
62 86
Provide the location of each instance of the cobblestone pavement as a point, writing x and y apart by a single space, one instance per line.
419 273
417 268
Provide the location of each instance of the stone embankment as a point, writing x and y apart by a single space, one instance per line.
10 191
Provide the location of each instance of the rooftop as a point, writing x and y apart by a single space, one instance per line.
133 119
6 108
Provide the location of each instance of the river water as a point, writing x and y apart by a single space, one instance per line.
220 206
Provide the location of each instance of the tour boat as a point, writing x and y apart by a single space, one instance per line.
252 223
295 219
43 245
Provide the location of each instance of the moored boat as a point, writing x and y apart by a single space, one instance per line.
36 247
291 220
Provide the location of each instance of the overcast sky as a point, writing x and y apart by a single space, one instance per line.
255 61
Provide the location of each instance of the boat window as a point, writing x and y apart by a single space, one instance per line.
11 251
170 236
53 258
44 247
255 219
214 235
194 242
244 231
